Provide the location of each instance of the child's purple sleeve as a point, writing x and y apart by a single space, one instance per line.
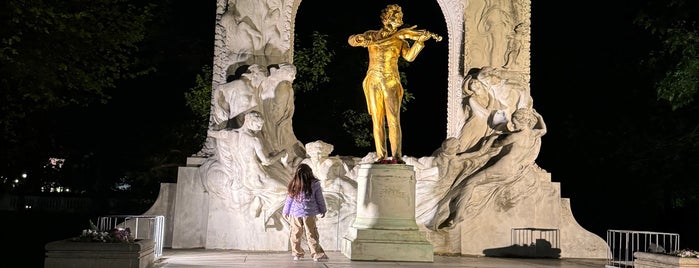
287 206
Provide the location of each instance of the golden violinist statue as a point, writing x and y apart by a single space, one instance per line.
382 87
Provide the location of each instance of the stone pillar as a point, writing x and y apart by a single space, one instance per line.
384 228
191 207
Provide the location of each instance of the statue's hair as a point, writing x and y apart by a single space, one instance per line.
389 11
323 147
524 115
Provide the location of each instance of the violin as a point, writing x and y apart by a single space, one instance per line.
418 34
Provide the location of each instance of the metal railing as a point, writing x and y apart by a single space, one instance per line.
141 226
530 236
623 243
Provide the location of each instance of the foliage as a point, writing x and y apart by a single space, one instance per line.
57 55
358 126
407 95
198 99
116 235
311 62
676 60
670 146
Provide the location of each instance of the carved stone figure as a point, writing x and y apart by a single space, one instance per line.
278 110
490 98
258 174
439 173
331 170
253 27
241 95
340 191
519 149
478 105
514 46
495 23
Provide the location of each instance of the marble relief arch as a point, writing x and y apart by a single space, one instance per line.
501 32
470 195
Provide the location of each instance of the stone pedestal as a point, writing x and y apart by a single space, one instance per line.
384 228
191 207
66 253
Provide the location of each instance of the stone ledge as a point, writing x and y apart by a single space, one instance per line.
656 260
66 253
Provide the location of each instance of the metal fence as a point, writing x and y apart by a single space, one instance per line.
141 226
623 243
530 237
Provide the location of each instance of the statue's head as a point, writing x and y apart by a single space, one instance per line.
523 117
253 120
255 73
450 146
392 15
318 149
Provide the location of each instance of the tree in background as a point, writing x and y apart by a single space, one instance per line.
60 54
671 154
99 84
676 60
198 99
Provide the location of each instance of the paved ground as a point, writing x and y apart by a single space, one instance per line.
182 258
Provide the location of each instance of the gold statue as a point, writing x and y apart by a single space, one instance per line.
382 87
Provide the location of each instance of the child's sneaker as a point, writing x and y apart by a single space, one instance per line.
323 258
296 258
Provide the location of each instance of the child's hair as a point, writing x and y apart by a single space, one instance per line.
301 182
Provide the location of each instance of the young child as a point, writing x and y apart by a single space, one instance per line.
303 202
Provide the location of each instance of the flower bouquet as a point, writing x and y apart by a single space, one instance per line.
116 235
685 253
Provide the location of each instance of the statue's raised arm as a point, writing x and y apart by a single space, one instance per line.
417 34
374 37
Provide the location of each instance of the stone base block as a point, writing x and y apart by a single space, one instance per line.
387 245
66 253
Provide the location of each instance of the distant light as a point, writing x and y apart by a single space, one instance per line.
24 175
56 163
123 186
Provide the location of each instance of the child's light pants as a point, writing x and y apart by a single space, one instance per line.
298 226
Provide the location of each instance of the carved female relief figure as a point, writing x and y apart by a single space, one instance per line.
495 24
